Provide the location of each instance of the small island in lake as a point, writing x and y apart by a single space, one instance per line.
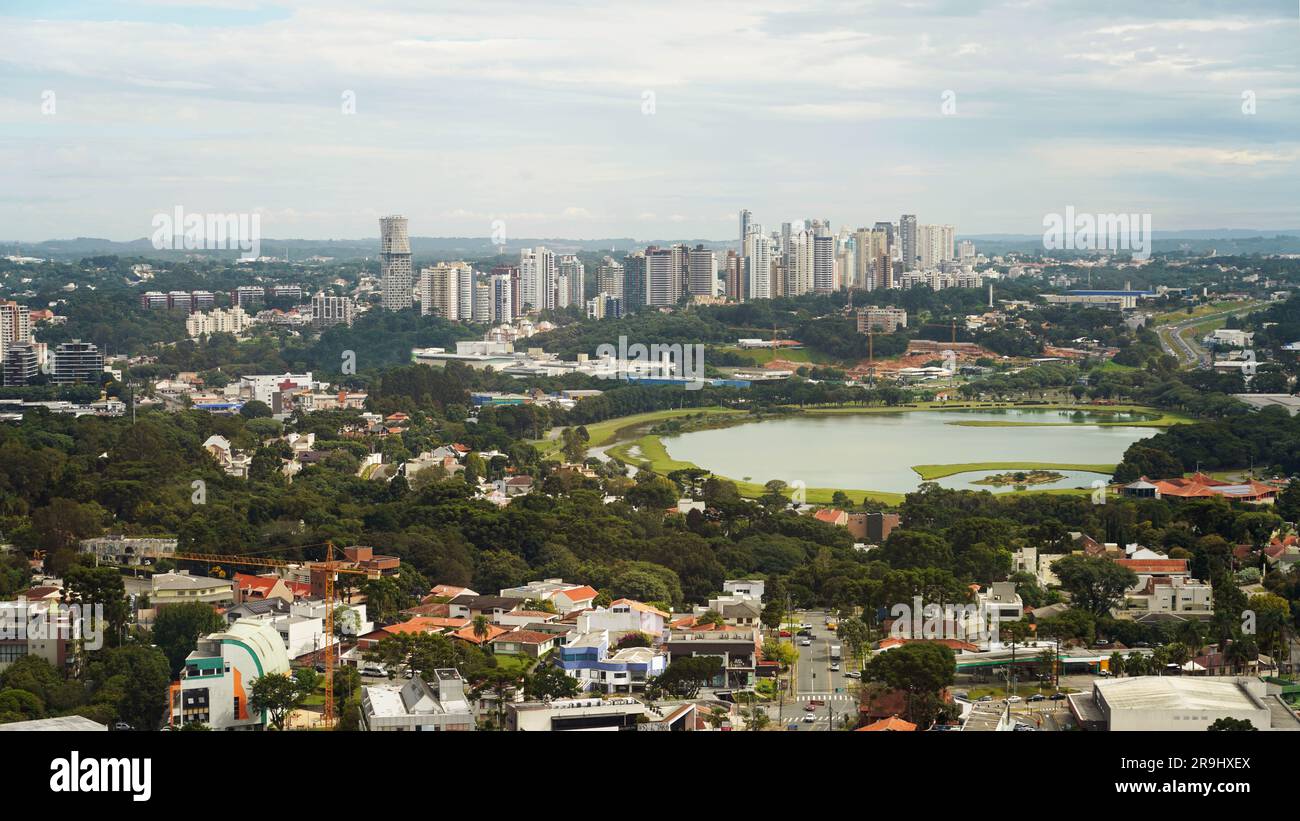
1021 478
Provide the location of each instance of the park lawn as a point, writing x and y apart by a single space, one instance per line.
650 454
600 433
929 473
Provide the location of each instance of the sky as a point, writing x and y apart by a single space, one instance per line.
656 119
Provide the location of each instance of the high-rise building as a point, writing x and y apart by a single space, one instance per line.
440 291
503 286
907 241
799 263
758 251
328 310
465 290
634 276
934 245
77 361
746 217
662 275
15 325
395 263
823 273
609 279
574 275
735 276
537 275
20 365
703 272
482 302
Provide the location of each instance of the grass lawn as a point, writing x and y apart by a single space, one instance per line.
601 433
514 665
1199 311
931 472
1023 689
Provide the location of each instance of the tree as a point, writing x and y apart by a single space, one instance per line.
102 586
921 670
177 629
482 626
687 674
854 633
549 683
1231 725
1095 585
275 695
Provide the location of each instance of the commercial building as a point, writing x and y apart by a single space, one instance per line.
328 310
217 680
416 706
1165 703
620 714
881 320
395 263
77 361
178 587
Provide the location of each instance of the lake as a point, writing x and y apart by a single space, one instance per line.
876 451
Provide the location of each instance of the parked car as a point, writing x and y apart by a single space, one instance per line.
853 674
1038 697
785 634
1014 699
1058 696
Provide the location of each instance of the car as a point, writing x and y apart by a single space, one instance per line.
835 667
811 708
1038 697
1026 728
809 719
806 643
122 726
805 626
984 698
1014 699
785 634
1104 673
1058 696
852 674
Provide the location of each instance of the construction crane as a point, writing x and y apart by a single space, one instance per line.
327 569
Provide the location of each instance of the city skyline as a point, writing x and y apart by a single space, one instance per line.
588 122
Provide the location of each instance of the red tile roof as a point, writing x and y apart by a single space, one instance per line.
1154 565
525 637
891 724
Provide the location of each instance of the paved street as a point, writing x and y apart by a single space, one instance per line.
817 682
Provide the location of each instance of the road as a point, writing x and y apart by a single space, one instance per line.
1189 353
815 681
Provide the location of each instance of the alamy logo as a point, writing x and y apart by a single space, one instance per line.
53 621
126 775
209 232
678 362
1096 232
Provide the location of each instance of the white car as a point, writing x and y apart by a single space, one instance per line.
809 718
835 667
1014 699
805 643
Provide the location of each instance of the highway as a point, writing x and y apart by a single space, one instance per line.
1189 353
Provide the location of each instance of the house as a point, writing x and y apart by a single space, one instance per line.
893 724
415 706
586 657
523 643
738 610
1177 594
566 597
752 588
623 616
217 679
1203 486
447 591
467 606
255 588
180 586
832 516
232 461
467 634
515 485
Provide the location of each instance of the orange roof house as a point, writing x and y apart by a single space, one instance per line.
891 724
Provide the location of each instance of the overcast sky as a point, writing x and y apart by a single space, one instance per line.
535 113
